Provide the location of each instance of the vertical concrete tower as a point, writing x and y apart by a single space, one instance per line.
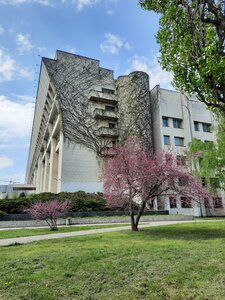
134 107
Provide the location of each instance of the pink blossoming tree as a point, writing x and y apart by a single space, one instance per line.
49 211
133 177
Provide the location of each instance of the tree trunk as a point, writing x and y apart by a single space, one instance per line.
134 226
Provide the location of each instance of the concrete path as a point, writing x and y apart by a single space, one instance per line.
29 239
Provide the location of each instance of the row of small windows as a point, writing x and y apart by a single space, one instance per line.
178 141
187 203
177 123
206 127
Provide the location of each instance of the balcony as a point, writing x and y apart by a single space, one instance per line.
108 132
103 97
105 114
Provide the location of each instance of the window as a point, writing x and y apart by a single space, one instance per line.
217 202
185 202
177 123
110 108
207 203
196 126
214 182
206 127
181 160
166 139
203 179
108 91
165 121
112 125
173 202
178 141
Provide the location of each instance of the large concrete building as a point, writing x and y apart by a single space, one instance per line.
81 110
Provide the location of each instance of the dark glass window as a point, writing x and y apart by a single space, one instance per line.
110 108
196 126
207 203
112 125
217 202
178 141
206 127
181 160
173 202
165 121
177 123
185 202
166 139
108 91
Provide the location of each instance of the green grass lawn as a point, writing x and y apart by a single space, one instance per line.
12 233
171 262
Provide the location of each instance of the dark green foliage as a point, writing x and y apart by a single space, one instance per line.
191 38
81 201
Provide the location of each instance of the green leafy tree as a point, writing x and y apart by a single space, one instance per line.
192 41
208 160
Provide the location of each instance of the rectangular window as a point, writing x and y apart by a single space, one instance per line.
110 108
112 125
166 139
217 202
181 160
108 91
206 127
178 141
177 123
173 202
196 126
185 202
207 203
165 121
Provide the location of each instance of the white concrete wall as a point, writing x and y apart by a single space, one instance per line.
80 169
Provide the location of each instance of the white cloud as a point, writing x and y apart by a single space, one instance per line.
110 12
153 68
24 44
17 2
5 162
25 98
2 30
15 119
113 43
80 4
10 70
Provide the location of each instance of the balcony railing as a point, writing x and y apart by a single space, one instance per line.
103 97
105 114
108 132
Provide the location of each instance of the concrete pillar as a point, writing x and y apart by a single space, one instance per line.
42 177
38 182
53 169
155 204
46 173
60 154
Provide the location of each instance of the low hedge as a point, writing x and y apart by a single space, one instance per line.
81 201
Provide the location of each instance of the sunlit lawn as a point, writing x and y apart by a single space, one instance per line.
171 262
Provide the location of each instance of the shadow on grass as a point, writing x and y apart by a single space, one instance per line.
181 232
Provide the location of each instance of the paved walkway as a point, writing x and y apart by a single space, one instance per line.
29 239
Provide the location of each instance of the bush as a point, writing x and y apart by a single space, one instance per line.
81 201
2 213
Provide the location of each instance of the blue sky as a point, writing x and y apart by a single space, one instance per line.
117 32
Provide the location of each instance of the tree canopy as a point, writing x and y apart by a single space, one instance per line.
133 178
208 160
192 41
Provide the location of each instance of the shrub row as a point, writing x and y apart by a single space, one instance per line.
81 201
